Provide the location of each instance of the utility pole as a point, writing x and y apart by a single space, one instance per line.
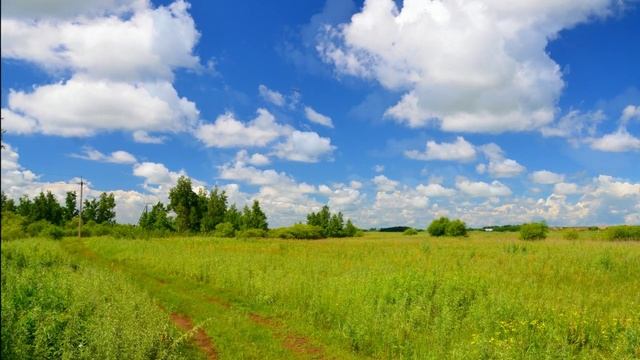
80 212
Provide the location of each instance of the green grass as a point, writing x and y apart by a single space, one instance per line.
388 296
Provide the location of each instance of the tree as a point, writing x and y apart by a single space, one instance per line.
456 228
156 219
90 210
438 227
258 217
70 210
321 218
216 208
335 225
233 217
7 204
106 209
46 207
25 205
349 229
534 231
185 203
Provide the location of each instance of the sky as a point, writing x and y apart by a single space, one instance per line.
393 112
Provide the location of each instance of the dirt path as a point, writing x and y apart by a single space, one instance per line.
295 343
200 338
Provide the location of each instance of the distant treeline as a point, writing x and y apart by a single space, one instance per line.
188 212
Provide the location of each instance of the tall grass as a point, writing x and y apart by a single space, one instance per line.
54 306
390 296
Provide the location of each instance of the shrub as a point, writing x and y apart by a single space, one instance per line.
298 231
12 226
456 228
54 232
534 231
623 232
38 228
251 233
438 227
410 231
571 235
225 230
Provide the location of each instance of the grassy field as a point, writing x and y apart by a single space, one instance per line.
382 296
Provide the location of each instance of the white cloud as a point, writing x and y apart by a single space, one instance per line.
482 189
82 107
435 190
478 66
146 46
116 157
317 118
144 137
228 132
271 96
67 8
563 188
499 166
384 184
630 112
304 146
120 57
378 168
255 159
546 177
575 125
619 141
460 150
17 124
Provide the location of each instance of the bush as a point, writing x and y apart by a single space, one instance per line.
251 233
298 231
225 230
571 235
456 228
438 227
534 231
623 232
410 231
54 232
38 228
12 226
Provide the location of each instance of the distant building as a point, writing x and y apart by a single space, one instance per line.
488 229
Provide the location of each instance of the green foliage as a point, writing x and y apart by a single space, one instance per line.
233 217
410 231
54 307
251 233
332 225
571 235
225 230
185 203
298 231
105 211
456 228
623 232
534 231
156 219
13 226
216 208
7 204
438 227
70 211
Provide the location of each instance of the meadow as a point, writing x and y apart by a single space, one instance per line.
381 296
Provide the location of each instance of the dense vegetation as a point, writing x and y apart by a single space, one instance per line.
445 227
370 297
534 231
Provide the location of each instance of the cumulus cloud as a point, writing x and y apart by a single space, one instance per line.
304 146
546 177
618 141
383 183
144 137
479 66
575 125
316 117
121 63
630 112
482 189
563 188
499 166
435 190
116 157
459 150
255 159
67 9
271 96
82 106
227 132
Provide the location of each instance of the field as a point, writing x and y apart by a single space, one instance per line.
381 296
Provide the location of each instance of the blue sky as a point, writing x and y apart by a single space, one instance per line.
392 112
